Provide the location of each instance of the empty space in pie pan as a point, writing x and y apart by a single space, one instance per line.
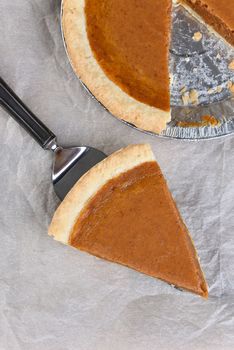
202 83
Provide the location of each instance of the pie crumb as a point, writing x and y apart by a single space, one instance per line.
190 97
197 36
193 96
231 88
183 90
231 65
214 90
206 120
185 98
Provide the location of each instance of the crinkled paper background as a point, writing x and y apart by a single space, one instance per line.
55 298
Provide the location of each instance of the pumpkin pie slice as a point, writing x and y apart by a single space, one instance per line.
219 14
120 51
122 211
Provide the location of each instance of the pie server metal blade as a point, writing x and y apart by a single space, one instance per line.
69 163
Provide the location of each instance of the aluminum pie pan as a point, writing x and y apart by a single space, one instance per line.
200 66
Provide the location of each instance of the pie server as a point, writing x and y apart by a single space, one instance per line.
69 163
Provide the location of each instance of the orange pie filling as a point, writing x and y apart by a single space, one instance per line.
219 14
130 41
133 220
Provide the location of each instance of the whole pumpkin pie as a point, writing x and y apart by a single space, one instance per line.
122 211
120 50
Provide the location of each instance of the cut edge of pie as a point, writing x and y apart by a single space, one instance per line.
91 74
212 29
71 211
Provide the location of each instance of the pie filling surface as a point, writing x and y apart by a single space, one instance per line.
133 220
130 41
219 14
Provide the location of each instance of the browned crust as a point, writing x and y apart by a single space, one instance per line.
88 70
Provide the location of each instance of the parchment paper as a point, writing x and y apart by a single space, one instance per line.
55 298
